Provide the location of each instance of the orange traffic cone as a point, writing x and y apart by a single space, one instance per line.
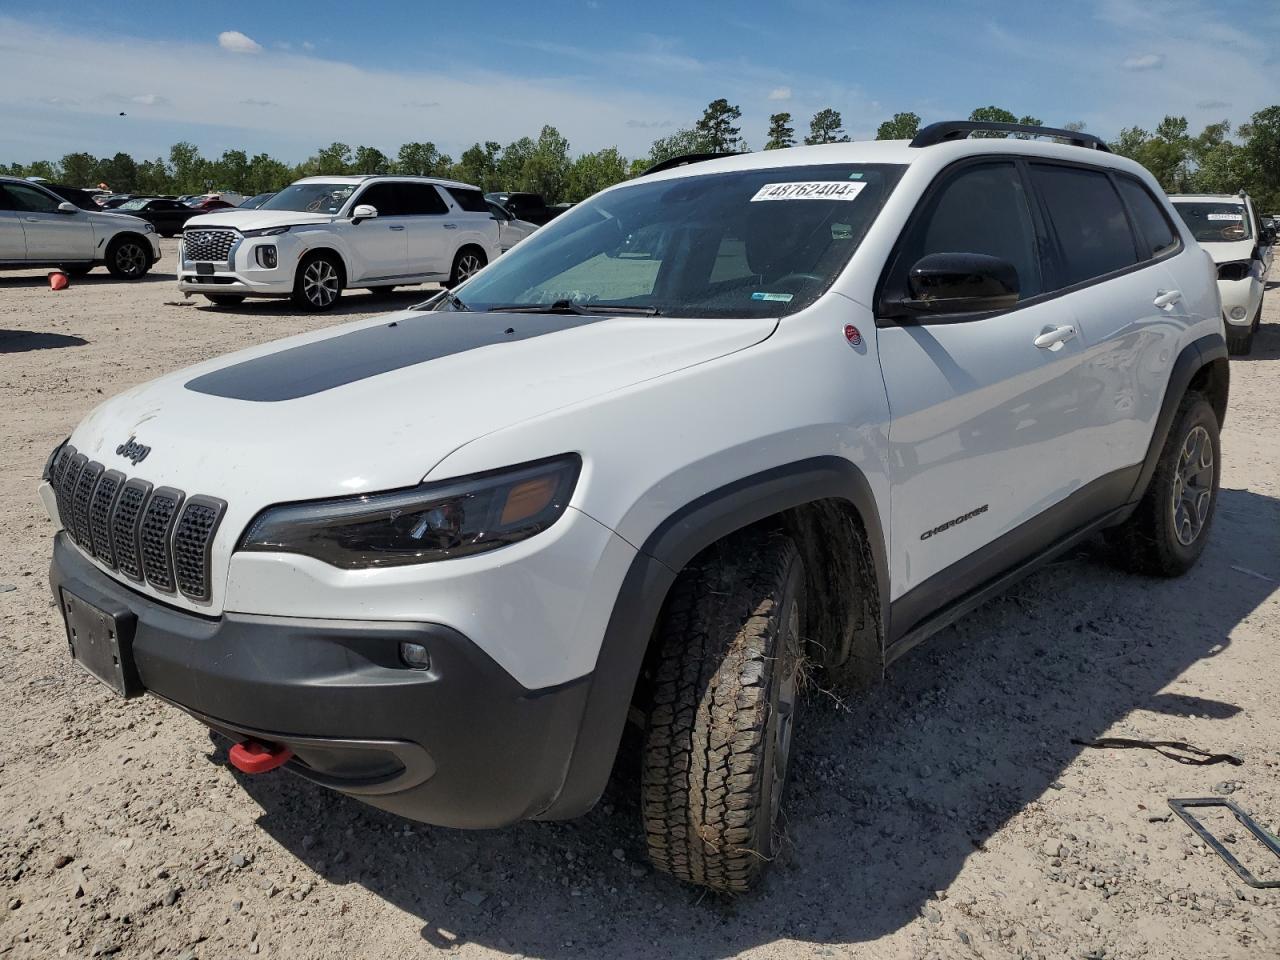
58 280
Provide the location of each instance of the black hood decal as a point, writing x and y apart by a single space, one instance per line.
325 364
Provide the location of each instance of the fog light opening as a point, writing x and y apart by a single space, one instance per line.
267 256
1237 313
415 656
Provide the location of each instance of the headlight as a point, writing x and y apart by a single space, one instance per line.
148 227
267 232
422 524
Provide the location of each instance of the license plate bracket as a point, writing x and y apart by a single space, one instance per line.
204 269
101 641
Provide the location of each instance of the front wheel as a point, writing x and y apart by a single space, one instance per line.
318 284
127 259
719 727
468 262
1167 532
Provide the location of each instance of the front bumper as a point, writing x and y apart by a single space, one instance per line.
461 744
241 274
1243 294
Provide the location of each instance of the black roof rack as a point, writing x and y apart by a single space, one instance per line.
948 130
684 160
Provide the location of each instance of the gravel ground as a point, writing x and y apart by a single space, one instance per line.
946 813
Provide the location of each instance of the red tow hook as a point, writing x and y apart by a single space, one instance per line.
253 756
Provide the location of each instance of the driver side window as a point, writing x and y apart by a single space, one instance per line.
30 199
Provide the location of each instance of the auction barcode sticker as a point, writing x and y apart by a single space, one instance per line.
810 190
1226 216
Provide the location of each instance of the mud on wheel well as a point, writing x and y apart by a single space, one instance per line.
1212 380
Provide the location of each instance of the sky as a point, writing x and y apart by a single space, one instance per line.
287 77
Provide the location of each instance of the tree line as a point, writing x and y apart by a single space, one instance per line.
1219 159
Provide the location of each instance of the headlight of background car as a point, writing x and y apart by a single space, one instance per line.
267 232
429 522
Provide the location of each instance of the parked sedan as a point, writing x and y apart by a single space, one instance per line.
167 216
257 200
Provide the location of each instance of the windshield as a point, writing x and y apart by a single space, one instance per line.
311 197
751 243
133 205
1215 222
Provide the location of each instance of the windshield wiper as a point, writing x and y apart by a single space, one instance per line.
568 306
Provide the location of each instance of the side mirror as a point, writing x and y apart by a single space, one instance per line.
66 206
945 283
363 211
1268 236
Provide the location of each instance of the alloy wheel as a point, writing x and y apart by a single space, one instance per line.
1192 486
320 283
468 266
131 261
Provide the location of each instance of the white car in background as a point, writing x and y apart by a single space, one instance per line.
38 228
511 229
321 235
1228 228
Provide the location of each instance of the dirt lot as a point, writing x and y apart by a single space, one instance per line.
945 814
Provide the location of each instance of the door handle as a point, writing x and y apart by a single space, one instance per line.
393 226
451 226
1052 338
1167 298
33 220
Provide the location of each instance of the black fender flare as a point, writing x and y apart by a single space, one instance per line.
670 547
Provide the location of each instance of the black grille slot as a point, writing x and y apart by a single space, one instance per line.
66 493
124 527
193 544
58 476
81 494
100 507
209 246
153 537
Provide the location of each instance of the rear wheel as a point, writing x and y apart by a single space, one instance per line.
719 729
1167 532
318 283
128 259
224 299
468 262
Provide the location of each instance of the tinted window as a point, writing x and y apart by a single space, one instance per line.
1089 220
421 199
1149 215
470 200
23 197
981 209
385 198
498 212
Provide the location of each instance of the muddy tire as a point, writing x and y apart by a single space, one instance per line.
1168 531
723 707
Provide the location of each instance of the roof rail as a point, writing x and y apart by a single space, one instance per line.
947 130
684 160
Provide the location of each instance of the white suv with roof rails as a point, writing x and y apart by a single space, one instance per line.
711 430
1228 227
322 235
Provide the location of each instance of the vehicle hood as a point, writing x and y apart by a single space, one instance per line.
1224 252
376 404
242 220
116 220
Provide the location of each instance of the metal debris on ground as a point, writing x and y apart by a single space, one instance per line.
1264 836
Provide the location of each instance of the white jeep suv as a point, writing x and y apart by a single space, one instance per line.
1230 230
323 234
40 229
713 430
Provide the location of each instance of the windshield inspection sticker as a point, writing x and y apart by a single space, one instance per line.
1226 216
779 297
810 190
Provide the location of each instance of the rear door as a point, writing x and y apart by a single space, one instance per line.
431 231
381 243
51 235
1112 248
13 243
982 434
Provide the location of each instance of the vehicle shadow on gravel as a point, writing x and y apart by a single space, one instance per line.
894 789
352 302
1266 344
21 341
89 280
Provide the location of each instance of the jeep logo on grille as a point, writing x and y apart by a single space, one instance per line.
133 451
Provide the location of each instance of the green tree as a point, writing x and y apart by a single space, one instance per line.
78 169
422 160
717 129
370 160
546 169
903 126
267 174
510 163
593 172
189 173
994 114
479 165
231 171
121 172
1261 157
826 127
333 160
678 144
153 177
781 133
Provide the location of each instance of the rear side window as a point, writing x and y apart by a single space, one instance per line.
1086 213
1149 216
422 199
980 209
471 201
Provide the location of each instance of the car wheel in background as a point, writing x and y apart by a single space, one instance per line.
128 258
468 262
318 283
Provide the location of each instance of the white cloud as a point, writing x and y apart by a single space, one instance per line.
1145 61
780 93
308 45
237 42
151 100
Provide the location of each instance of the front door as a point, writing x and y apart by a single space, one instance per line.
380 244
980 439
51 235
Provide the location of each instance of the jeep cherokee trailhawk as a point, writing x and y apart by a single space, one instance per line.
721 424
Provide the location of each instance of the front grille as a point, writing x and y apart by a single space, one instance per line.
158 536
209 246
